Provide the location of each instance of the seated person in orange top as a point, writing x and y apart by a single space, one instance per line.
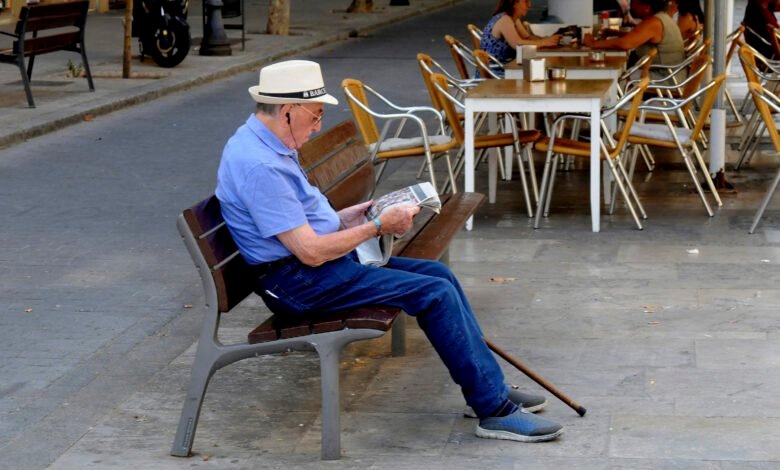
657 29
505 31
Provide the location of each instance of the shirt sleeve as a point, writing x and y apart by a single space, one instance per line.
271 200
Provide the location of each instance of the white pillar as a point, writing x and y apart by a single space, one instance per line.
579 12
718 129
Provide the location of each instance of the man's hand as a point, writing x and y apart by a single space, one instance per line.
355 215
397 220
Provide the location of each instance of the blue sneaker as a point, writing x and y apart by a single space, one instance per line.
528 401
519 426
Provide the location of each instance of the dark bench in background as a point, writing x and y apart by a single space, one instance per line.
338 163
34 19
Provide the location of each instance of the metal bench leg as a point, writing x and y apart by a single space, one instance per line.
202 370
26 81
398 337
86 67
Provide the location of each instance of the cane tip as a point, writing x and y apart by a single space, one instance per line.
581 411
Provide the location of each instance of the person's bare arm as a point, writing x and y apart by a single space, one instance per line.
313 250
507 29
650 30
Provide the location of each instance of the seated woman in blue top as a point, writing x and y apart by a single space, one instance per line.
505 31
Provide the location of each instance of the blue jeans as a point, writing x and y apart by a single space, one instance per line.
424 289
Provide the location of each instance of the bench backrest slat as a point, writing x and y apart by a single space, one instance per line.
50 16
336 161
49 43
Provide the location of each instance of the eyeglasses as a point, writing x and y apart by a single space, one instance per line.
317 117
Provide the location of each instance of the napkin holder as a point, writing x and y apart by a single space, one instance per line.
534 69
525 52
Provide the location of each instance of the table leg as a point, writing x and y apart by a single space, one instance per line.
468 170
595 165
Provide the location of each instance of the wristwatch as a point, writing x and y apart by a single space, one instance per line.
378 224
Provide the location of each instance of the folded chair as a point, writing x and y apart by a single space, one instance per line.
514 139
680 137
610 152
764 100
382 148
475 34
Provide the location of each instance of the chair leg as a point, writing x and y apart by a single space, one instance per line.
631 189
26 80
554 169
733 107
543 187
692 171
767 198
521 168
647 156
451 173
532 171
706 171
423 166
429 159
621 187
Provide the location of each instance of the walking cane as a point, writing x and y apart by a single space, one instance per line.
536 378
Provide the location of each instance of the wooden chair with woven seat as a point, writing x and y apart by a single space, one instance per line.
554 146
382 148
515 138
765 102
461 56
675 136
475 34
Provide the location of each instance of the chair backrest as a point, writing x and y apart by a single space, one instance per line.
757 90
696 75
447 101
482 58
459 54
643 63
475 34
426 69
734 38
706 105
693 40
354 91
636 95
748 60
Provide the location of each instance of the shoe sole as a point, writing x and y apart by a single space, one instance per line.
510 436
469 412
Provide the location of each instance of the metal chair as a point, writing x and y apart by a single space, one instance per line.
514 139
461 55
555 145
382 149
679 136
475 34
764 100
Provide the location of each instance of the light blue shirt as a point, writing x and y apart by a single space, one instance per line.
264 191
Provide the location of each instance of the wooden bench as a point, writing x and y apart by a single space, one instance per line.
338 163
34 19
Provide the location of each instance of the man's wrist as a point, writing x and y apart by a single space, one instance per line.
377 224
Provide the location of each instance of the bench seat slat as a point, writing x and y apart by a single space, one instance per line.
434 239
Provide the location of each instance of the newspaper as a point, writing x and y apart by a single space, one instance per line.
377 250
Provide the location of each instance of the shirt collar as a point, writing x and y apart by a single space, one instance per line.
269 138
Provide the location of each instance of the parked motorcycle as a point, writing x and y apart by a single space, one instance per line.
162 30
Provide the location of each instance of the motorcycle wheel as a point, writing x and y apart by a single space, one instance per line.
171 45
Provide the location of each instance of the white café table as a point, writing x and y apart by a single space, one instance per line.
577 67
520 96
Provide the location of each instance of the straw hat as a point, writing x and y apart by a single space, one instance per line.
292 81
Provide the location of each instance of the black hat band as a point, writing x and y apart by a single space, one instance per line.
298 94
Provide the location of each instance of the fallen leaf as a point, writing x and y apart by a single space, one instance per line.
88 118
187 305
652 323
502 279
28 309
205 458
650 308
